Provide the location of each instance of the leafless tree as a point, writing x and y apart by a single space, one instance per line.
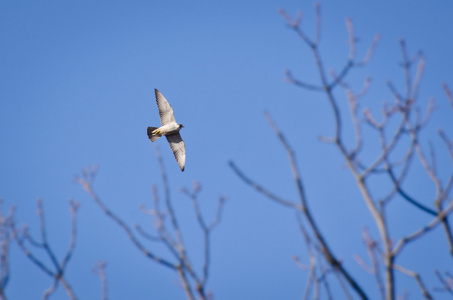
6 222
411 121
57 269
169 235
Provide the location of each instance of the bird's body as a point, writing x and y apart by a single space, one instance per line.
170 129
167 129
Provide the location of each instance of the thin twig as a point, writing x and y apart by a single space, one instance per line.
86 182
448 93
418 233
58 268
207 229
417 278
318 23
99 270
261 189
6 226
447 283
328 255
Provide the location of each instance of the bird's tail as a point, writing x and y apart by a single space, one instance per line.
153 136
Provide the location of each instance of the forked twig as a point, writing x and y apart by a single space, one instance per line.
86 181
57 269
303 208
6 237
99 270
417 278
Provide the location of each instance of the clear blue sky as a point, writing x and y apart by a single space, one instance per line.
76 89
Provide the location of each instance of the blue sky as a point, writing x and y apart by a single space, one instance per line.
76 89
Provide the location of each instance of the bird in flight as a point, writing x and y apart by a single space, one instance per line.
170 129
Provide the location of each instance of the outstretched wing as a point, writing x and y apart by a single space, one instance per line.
178 148
165 110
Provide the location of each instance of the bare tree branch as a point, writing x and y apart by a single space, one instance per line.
328 255
6 223
417 278
404 105
99 270
448 93
261 189
58 268
86 181
446 283
417 234
447 142
193 285
313 282
207 229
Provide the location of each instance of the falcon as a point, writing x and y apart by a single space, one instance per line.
170 129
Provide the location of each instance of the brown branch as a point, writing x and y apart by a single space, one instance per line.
328 255
291 22
365 87
407 69
74 206
404 106
312 278
414 130
290 78
261 189
417 234
185 282
447 283
207 229
318 23
353 107
371 50
147 235
183 267
398 97
447 142
430 170
190 280
351 62
352 39
6 225
390 171
99 270
379 219
418 77
417 278
32 257
159 224
390 167
86 182
67 288
59 268
44 235
386 150
323 278
170 210
429 112
50 290
372 249
408 198
448 93
292 159
183 257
